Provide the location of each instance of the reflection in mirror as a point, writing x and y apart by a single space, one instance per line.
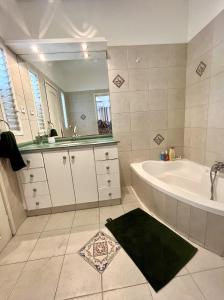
76 93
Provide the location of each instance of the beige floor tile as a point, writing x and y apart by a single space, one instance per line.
89 297
110 212
8 277
204 260
80 236
138 292
18 249
51 243
33 225
60 221
86 217
121 272
211 283
38 280
180 288
77 278
130 206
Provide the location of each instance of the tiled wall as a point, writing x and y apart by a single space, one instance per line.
204 116
150 101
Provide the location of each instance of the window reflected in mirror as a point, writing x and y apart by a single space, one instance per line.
103 113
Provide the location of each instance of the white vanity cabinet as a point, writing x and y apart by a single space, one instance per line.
84 175
34 183
57 165
71 178
108 175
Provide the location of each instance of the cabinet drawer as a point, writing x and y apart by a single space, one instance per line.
109 193
105 153
39 202
33 190
108 180
107 166
34 160
33 175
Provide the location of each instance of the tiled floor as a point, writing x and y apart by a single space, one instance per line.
42 263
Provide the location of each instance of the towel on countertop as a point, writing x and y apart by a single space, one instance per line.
53 132
9 149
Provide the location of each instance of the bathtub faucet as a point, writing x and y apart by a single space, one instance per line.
218 166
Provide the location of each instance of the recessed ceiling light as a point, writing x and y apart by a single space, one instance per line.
41 56
34 48
86 55
84 46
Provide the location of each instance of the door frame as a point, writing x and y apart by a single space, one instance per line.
7 206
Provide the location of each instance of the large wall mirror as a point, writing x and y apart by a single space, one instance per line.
70 88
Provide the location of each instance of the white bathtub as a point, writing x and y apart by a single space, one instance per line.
179 193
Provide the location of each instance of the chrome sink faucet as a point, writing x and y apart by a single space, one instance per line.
218 166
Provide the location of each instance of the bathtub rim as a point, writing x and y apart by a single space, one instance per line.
202 203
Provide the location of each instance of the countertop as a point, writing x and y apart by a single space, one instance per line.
67 144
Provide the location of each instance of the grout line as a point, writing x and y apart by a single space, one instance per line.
82 296
127 286
198 287
20 275
59 276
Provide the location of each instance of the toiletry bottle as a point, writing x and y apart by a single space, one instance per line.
172 154
162 155
166 155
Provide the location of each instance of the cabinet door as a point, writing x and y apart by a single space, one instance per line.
84 175
59 177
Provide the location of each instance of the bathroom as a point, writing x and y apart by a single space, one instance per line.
96 93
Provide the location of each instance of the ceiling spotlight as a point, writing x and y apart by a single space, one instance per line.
34 48
41 56
84 46
86 55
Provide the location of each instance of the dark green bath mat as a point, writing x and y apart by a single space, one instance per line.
158 252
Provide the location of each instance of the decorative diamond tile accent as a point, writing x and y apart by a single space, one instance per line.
118 81
158 139
83 116
100 251
201 68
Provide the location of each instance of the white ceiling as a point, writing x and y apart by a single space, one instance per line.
121 22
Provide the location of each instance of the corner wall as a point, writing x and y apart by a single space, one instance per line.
150 101
204 115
